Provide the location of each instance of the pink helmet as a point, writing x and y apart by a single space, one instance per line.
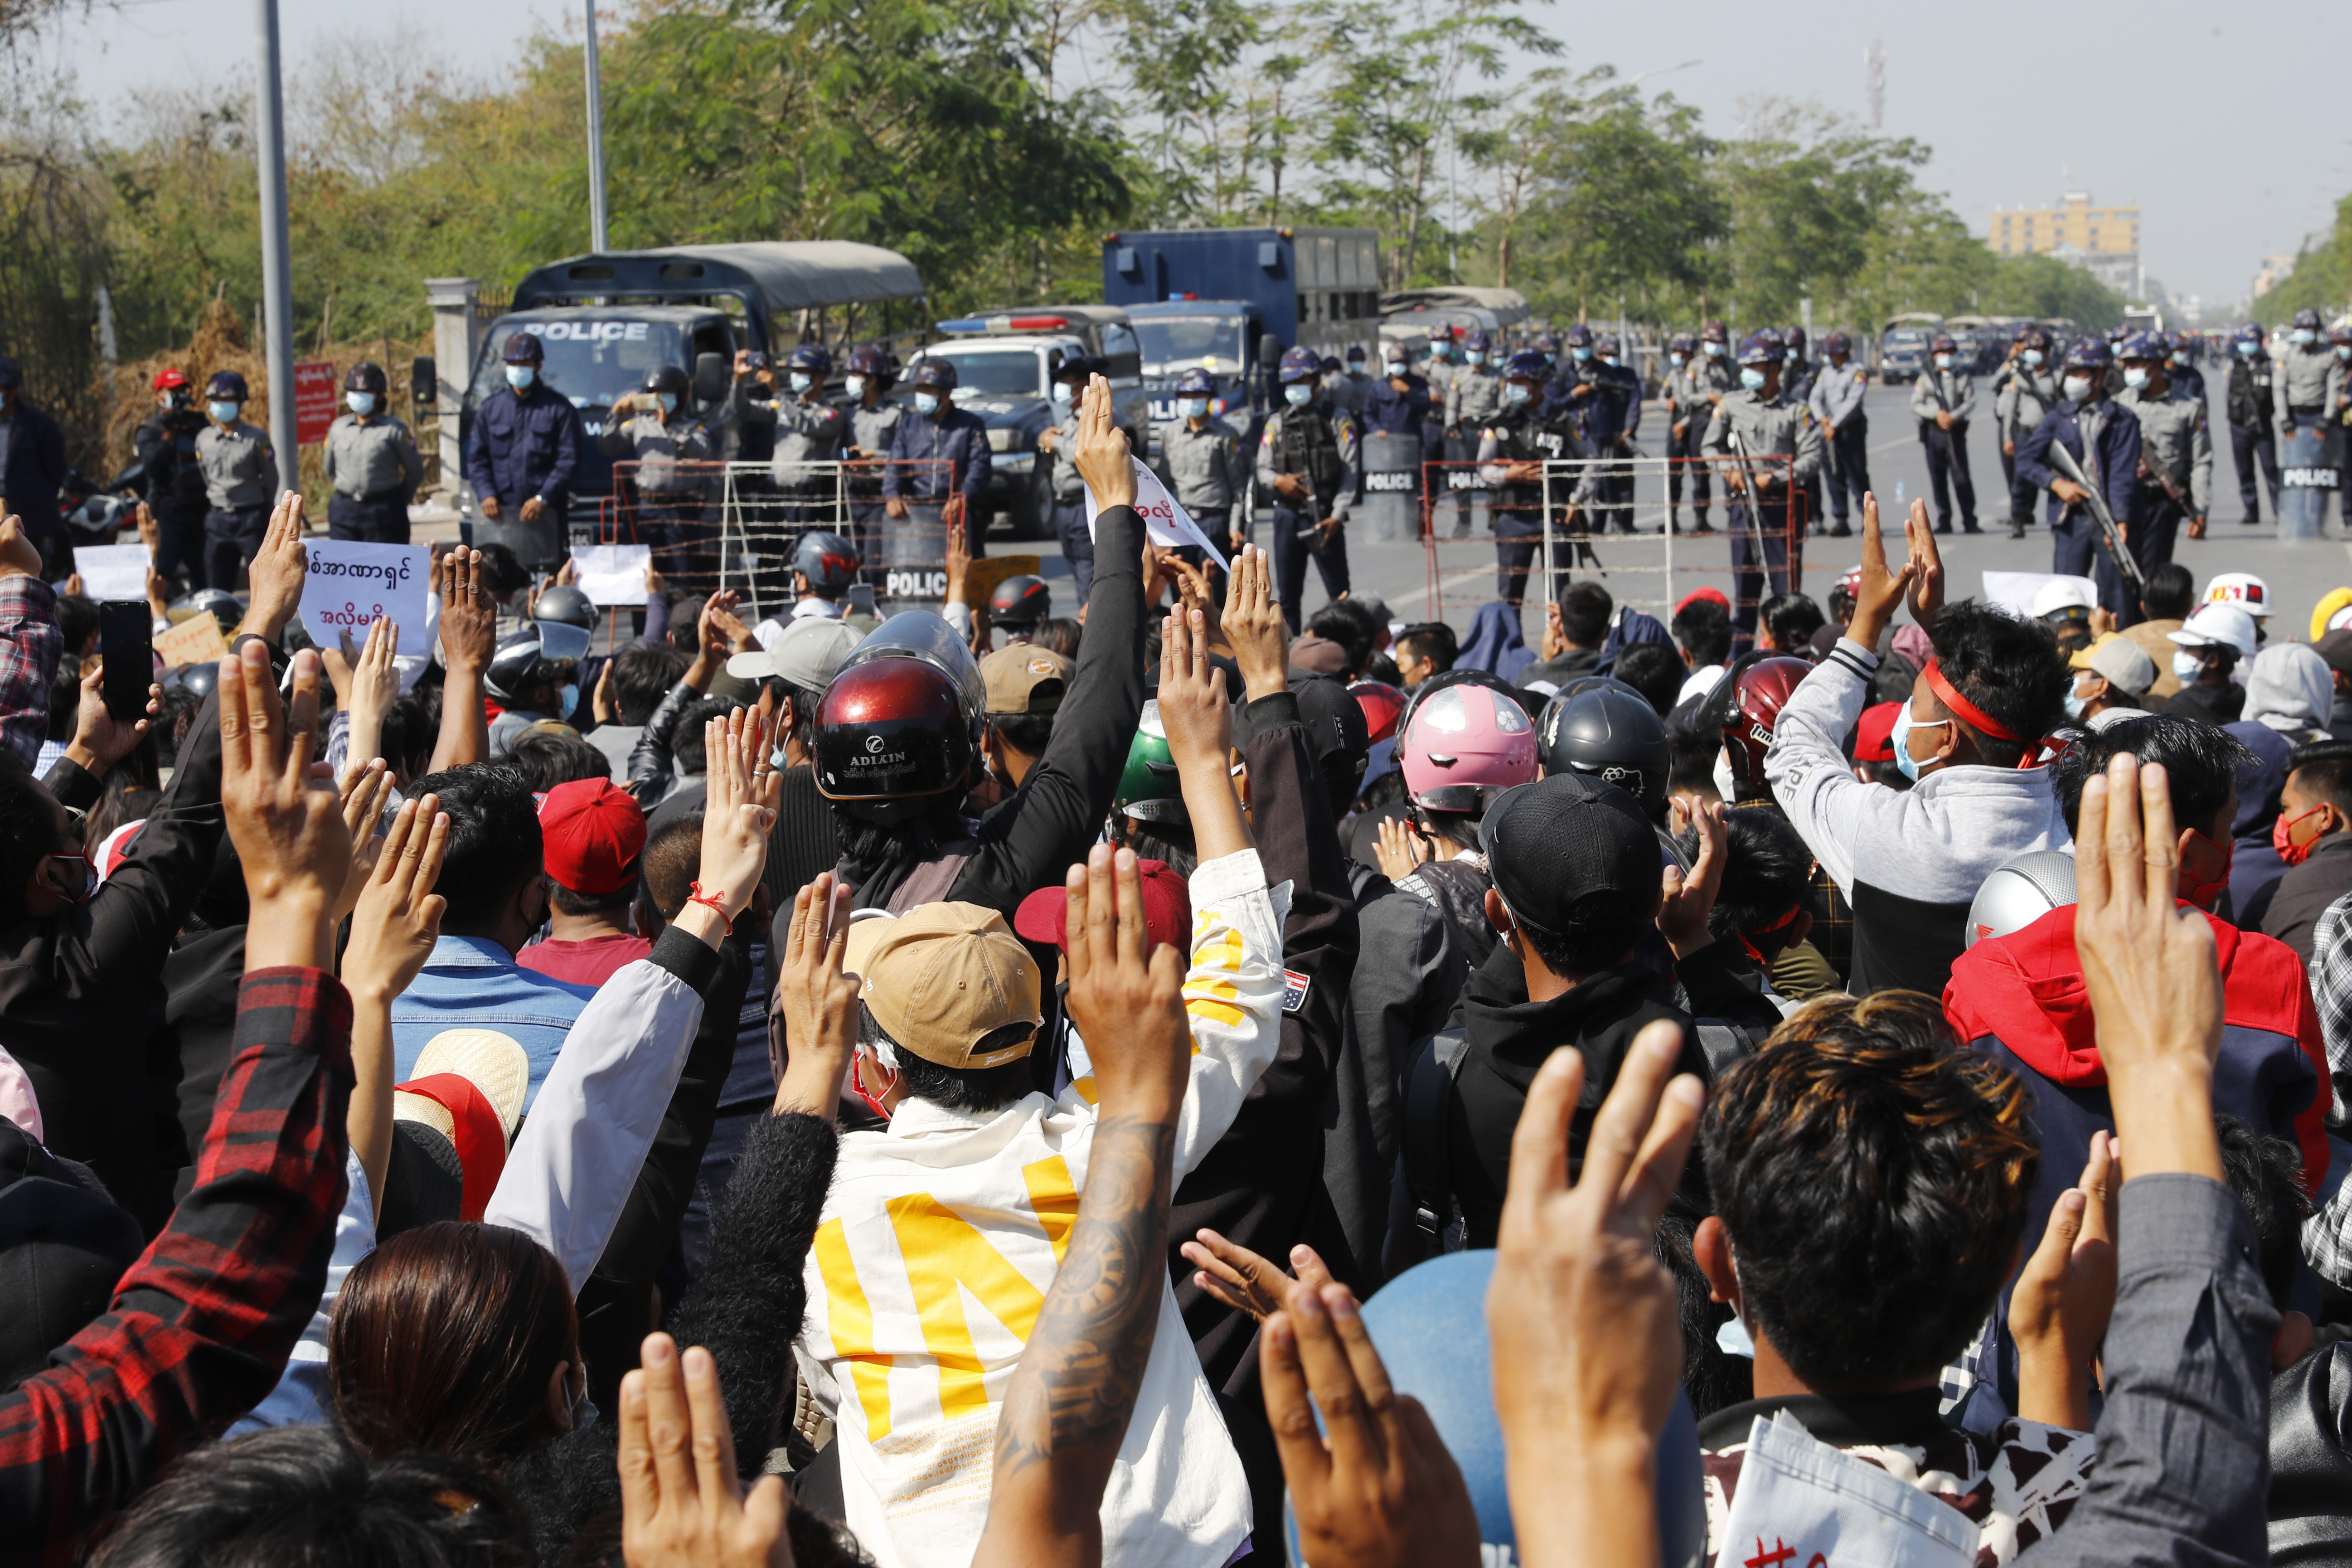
1464 745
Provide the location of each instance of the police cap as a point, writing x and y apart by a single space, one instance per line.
524 348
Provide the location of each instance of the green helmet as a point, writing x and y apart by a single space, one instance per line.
1147 788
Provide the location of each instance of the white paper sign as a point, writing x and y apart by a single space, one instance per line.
351 586
1167 523
1804 1504
2014 591
612 573
112 571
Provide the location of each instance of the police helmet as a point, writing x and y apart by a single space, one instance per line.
2306 320
1837 344
524 348
565 605
1331 365
1477 339
2089 353
1579 336
1713 333
894 727
543 653
1945 344
2033 338
1020 602
366 376
827 558
1606 347
1762 347
2250 333
2341 332
198 679
664 378
1795 338
935 375
2141 345
1682 344
1299 364
1527 365
1609 731
219 603
873 363
1355 353
1196 383
2020 892
226 384
1547 342
1441 334
1149 790
814 358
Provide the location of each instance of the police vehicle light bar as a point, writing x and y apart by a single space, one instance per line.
1037 323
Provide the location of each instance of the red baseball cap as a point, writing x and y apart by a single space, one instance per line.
1167 910
1717 594
593 832
1874 733
168 377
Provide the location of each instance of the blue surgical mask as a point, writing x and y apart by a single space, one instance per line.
668 401
855 385
1517 392
1752 379
1192 407
222 410
1580 356
2187 668
2074 706
2033 358
927 403
1355 364
1900 738
1063 391
1713 350
1439 351
1397 369
2303 336
1474 356
1552 358
2248 349
2077 388
1943 362
2343 351
2134 378
800 381
1299 395
2181 359
360 402
567 698
1676 360
521 376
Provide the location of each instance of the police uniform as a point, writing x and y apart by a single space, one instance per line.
871 431
1952 392
525 446
1439 374
1398 412
1203 468
241 481
2023 396
372 466
1319 446
670 498
2306 386
1617 472
2175 442
808 430
1836 401
2248 403
1347 389
1525 433
165 443
2102 436
1776 428
1067 493
1704 382
1473 395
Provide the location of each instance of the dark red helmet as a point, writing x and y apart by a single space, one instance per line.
1020 602
1382 704
893 728
1757 695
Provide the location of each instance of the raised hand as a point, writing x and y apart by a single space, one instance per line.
819 1001
1880 590
1254 627
363 791
396 915
1682 914
738 810
277 571
289 836
1925 592
1102 460
372 687
1199 723
682 1500
2058 1312
1242 1279
469 618
1399 848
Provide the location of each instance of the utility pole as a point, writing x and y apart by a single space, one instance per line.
1874 61
277 271
598 235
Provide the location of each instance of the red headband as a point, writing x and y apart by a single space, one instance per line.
1976 717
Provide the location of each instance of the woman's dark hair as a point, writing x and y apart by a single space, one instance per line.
494 842
2200 762
2265 1174
2008 667
1060 634
2170 593
1793 619
1712 1376
409 728
981 1090
1655 671
29 831
295 1495
546 758
445 1339
1768 871
1874 1177
643 674
78 620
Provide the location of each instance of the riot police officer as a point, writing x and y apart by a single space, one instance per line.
2247 403
173 482
1066 493
1348 387
1307 461
1199 459
2175 452
654 427
526 446
1943 398
1837 405
1512 452
874 418
2309 377
809 432
2180 365
1707 381
2103 438
372 464
1473 395
2025 392
1756 425
1617 470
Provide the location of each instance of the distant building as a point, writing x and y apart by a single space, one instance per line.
2273 271
2102 241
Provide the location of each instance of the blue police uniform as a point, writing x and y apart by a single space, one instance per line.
2112 464
35 467
1398 412
1617 478
525 445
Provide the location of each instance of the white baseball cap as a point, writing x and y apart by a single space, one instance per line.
2243 589
2225 626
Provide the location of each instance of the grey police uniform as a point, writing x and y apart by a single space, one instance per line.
1473 396
670 499
1837 405
2305 385
1935 392
1203 469
374 467
2022 397
1779 429
1701 378
807 432
871 431
1347 390
2176 441
241 481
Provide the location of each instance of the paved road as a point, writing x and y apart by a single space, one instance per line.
1458 576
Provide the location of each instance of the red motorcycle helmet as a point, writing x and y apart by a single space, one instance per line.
1382 704
892 729
1758 693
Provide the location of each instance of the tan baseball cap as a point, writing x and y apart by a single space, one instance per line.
943 977
1025 679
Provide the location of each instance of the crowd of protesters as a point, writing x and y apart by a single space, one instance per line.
993 1086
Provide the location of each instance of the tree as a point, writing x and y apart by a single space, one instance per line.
2322 277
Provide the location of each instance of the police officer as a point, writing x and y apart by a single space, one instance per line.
1617 471
1595 402
939 457
1547 345
241 481
808 430
372 464
1308 460
2175 451
1066 491
1798 374
1943 397
525 449
1512 451
32 464
2025 392
1439 369
1473 393
1675 388
1758 424
874 418
173 483
2102 436
2309 378
1348 388
2247 403
1399 403
2180 365
656 429
1200 459
1836 402
1707 381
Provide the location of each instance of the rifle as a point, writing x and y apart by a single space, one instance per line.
1753 495
2118 551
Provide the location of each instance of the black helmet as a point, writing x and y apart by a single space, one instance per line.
664 378
566 605
198 679
543 653
873 361
366 376
1020 602
1608 730
827 558
219 602
893 728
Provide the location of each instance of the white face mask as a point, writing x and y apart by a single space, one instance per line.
2078 388
521 376
925 403
800 381
1298 396
1396 369
855 385
2187 667
1192 407
1474 357
2303 335
1725 784
1675 360
1752 379
1517 392
224 411
1062 391
2032 357
360 402
1713 351
1943 362
2136 378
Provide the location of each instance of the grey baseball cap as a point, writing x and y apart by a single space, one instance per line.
807 652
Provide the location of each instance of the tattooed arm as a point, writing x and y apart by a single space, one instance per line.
1067 1409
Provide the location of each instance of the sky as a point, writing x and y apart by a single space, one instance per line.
2235 159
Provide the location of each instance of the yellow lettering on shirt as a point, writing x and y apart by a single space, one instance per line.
850 1321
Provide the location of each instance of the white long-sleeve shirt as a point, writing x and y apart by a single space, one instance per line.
940 1239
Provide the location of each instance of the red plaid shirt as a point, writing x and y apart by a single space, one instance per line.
30 646
201 1326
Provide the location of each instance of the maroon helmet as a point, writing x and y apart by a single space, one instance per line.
1382 704
893 728
1761 691
1020 602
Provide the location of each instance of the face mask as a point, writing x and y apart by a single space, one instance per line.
2301 335
1677 361
2135 379
798 381
2202 851
521 376
1900 737
2343 352
1355 364
1713 351
1580 356
1439 351
2078 388
2033 358
2181 359
2248 349
1298 396
1062 391
925 403
1752 379
1473 358
1517 392
2187 667
1396 369
360 402
1192 407
225 412
2283 840
567 698
2075 703
1550 358
1608 359
668 401
1943 362
855 385
1725 784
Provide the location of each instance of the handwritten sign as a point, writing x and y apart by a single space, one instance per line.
981 578
315 398
2015 591
1167 523
611 573
351 586
196 640
112 571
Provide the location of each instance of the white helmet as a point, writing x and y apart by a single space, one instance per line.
2066 596
2225 625
2243 589
2021 892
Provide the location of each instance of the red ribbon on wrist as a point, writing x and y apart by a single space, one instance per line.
695 895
